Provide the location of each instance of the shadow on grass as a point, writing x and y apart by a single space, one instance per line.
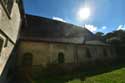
61 76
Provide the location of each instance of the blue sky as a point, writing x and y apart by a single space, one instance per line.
105 16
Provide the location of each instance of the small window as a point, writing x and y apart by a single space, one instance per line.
8 5
60 58
27 59
88 54
6 42
105 52
1 44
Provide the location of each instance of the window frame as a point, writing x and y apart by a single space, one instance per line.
61 58
1 39
6 7
88 53
105 54
27 59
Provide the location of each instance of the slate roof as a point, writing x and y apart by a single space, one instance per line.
44 29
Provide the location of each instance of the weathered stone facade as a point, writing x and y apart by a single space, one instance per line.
46 42
10 23
44 53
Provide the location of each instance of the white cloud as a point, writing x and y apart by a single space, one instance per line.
92 28
121 27
95 29
103 28
58 18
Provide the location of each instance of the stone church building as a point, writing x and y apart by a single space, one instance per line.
36 42
44 41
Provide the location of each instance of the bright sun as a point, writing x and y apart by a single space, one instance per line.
83 13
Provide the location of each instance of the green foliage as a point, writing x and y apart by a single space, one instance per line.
116 37
99 34
116 76
114 73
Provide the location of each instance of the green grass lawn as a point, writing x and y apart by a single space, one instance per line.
116 76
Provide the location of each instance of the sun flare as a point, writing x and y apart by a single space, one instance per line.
83 13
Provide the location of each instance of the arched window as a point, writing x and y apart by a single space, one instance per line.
60 58
105 52
88 54
27 59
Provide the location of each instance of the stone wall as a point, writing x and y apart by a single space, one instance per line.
47 53
9 28
45 57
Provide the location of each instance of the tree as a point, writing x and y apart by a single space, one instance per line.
115 37
100 35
